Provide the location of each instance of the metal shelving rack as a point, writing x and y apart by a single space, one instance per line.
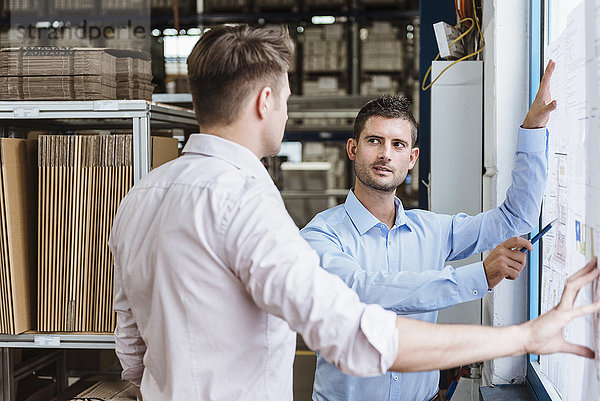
140 116
302 108
58 340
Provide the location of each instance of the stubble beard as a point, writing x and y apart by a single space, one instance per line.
363 175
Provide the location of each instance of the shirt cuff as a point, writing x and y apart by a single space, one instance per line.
531 140
472 281
379 327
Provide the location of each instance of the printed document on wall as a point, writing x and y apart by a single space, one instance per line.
573 191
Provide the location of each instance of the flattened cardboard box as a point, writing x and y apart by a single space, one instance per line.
164 149
52 73
40 61
82 181
18 232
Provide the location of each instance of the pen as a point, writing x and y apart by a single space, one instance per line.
539 235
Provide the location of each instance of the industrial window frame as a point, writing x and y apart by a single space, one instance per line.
538 17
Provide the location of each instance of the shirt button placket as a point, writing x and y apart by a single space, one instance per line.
395 387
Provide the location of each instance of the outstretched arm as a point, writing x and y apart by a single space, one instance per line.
403 292
519 213
424 346
280 273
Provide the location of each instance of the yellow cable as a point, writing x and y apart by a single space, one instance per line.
449 46
457 39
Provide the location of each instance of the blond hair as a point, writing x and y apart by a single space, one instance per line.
229 63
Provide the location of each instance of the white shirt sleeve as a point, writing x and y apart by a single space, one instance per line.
129 345
281 273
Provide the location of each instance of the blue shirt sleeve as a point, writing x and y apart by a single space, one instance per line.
403 292
519 212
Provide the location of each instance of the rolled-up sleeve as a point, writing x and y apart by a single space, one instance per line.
281 273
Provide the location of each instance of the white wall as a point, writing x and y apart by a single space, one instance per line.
506 61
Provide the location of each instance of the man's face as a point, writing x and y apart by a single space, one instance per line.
278 115
383 153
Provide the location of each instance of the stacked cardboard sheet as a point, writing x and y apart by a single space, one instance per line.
134 78
17 232
109 389
54 73
72 5
57 74
382 49
82 180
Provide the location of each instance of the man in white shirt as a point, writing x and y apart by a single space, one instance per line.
212 277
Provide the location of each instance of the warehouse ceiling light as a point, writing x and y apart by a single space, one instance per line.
170 32
194 31
322 19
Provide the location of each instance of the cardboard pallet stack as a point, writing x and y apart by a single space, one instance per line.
17 232
212 6
382 49
325 54
82 179
27 6
57 73
73 5
325 48
134 78
112 6
382 59
109 389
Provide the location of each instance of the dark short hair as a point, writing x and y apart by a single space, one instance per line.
229 62
387 106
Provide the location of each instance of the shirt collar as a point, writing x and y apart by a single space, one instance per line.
363 219
231 152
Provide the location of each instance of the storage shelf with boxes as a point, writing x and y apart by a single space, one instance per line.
383 58
324 60
68 162
68 257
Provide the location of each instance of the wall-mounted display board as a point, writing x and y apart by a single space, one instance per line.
572 40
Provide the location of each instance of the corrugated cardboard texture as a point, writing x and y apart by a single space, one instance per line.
56 73
82 181
163 150
17 216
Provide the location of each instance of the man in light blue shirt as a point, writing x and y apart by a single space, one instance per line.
396 258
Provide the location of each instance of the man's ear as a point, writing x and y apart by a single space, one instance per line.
351 148
263 102
414 155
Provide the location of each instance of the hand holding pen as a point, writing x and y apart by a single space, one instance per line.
539 235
